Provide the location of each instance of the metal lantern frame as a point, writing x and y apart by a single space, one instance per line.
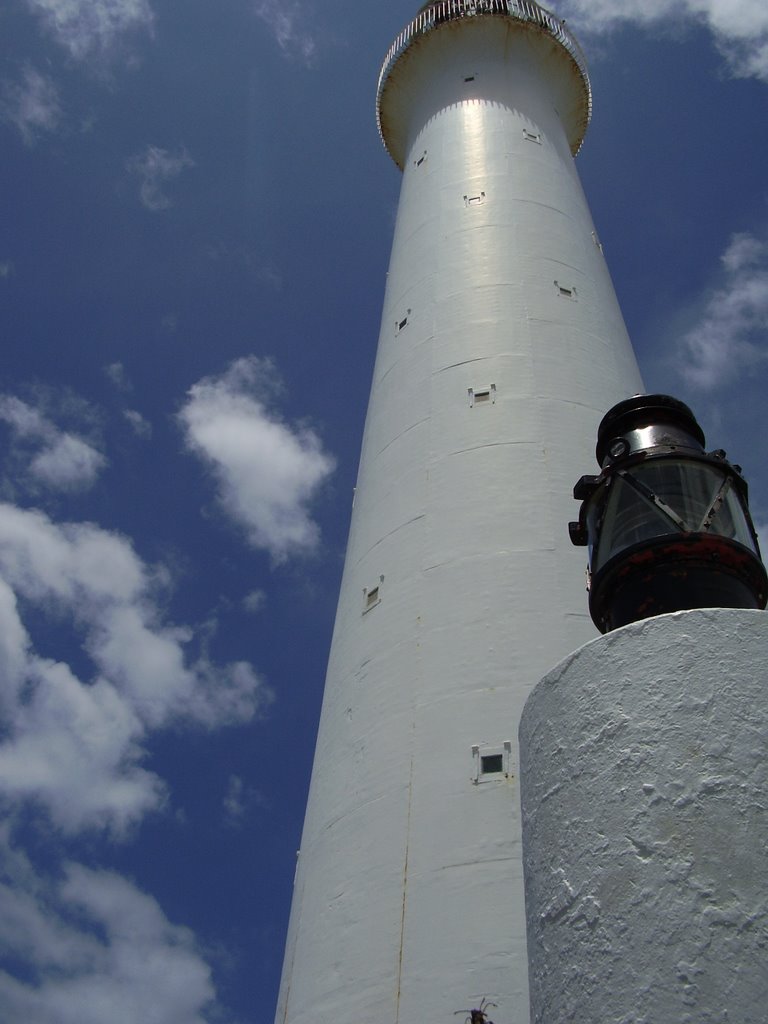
667 524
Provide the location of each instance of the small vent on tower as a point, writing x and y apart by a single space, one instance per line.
532 136
566 290
491 763
372 596
477 396
476 200
421 160
403 322
470 78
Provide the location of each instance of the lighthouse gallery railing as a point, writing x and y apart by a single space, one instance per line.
450 10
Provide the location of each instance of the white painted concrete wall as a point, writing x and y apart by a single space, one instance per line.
645 825
408 902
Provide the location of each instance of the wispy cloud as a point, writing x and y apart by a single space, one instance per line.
93 28
138 423
739 27
67 463
155 167
239 800
31 104
91 671
6 268
265 273
72 746
267 470
255 601
729 336
56 459
93 941
115 373
288 23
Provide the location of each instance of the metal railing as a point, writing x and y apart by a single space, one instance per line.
450 10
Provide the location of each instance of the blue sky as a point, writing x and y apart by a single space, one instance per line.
196 216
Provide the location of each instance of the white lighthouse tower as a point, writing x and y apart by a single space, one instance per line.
501 347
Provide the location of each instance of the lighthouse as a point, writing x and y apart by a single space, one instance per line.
501 347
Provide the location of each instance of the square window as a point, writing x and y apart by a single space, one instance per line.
491 763
486 393
372 596
566 290
402 323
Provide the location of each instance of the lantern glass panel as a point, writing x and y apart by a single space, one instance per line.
688 488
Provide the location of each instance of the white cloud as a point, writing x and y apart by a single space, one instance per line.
234 803
67 464
287 22
139 424
32 105
729 336
267 471
155 167
254 601
739 27
239 800
115 372
89 28
743 250
6 268
95 949
75 750
56 459
74 747
26 421
249 257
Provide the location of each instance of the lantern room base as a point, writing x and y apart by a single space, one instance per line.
673 574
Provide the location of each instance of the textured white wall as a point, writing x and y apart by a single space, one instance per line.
645 825
409 902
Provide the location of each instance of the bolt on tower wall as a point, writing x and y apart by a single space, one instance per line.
501 347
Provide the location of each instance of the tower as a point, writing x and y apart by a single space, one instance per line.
501 346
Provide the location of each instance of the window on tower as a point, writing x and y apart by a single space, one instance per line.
477 396
372 596
490 764
566 290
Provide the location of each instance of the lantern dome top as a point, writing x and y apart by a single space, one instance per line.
663 413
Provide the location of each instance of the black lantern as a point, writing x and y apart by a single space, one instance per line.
667 524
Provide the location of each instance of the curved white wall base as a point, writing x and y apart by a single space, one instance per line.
644 760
